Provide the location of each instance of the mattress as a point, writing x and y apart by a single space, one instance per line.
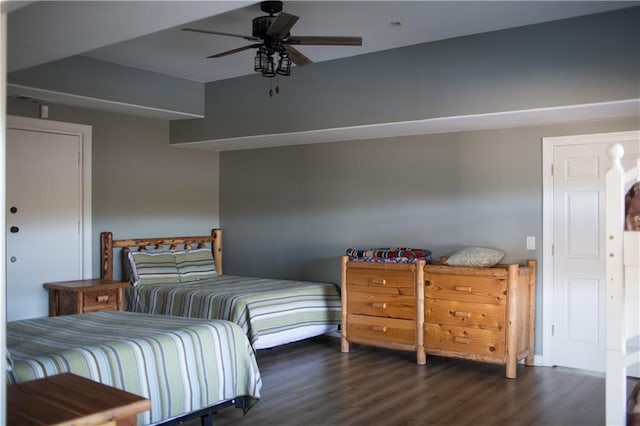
261 306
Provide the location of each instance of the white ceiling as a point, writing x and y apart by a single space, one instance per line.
147 34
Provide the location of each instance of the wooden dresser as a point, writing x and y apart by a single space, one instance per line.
77 297
482 314
383 305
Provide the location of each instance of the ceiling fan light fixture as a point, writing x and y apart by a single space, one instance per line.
270 70
261 61
284 65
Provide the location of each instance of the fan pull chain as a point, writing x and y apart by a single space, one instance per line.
277 90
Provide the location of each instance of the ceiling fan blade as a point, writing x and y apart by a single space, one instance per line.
232 51
296 57
281 25
196 30
325 41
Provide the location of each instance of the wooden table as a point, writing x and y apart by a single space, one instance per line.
77 297
67 400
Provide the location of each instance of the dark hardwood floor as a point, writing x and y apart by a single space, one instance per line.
313 383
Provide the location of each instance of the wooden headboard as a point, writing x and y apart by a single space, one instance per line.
107 244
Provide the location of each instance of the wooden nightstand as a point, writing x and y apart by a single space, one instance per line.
67 399
77 297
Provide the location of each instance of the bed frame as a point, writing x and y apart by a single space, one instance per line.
623 287
206 414
108 244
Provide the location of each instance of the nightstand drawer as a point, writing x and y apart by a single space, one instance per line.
382 305
465 314
99 299
371 330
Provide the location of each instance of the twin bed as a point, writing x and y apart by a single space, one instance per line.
183 366
623 286
272 312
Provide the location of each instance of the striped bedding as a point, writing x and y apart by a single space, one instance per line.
180 364
259 305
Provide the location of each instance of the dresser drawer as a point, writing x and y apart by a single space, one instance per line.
100 299
465 314
477 341
368 329
465 288
382 305
389 281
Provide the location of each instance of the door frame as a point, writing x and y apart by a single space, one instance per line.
84 134
548 146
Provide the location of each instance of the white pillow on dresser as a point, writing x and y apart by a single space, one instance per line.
482 257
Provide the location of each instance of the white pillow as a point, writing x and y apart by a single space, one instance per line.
476 256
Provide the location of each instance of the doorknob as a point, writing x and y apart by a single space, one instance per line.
14 229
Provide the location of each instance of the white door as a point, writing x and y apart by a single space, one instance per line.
578 253
44 214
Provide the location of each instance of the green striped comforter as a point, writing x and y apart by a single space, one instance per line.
259 305
180 364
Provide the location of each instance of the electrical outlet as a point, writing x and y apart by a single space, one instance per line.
531 243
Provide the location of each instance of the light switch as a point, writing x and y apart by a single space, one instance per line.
44 111
531 243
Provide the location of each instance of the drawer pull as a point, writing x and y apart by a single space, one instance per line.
102 298
378 281
465 289
380 328
461 340
462 314
381 305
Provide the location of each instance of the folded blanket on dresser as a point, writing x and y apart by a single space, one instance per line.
395 255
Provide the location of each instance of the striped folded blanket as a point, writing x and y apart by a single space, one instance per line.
395 255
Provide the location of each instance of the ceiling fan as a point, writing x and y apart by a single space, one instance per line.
272 37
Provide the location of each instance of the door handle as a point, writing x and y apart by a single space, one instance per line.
14 229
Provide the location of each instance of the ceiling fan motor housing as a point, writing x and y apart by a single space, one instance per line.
261 24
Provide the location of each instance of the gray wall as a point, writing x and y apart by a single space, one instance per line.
292 212
93 78
142 186
594 58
